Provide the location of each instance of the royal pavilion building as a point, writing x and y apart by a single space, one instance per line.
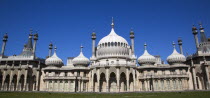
113 67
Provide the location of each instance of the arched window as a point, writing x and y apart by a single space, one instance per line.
115 43
105 44
112 44
121 44
118 43
109 44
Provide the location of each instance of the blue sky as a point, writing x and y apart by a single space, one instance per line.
69 23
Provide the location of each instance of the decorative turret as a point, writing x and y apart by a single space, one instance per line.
4 43
146 58
29 44
28 47
93 45
54 60
50 48
35 40
81 60
195 32
180 45
132 41
175 57
202 34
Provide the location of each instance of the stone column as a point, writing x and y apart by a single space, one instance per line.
53 81
25 80
92 83
37 81
187 82
64 85
194 77
18 79
137 82
127 79
98 80
10 80
118 79
3 80
47 85
207 76
82 85
69 88
107 79
134 80
145 85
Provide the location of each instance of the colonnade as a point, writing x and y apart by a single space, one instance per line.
112 81
17 81
65 85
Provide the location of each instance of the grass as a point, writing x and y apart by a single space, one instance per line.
193 94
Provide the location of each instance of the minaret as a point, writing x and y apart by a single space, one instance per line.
4 44
35 40
132 41
202 34
195 32
93 44
50 49
180 45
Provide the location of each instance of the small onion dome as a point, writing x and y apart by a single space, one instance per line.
146 58
175 57
54 60
80 60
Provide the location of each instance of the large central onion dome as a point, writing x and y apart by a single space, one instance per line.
146 58
112 45
175 57
54 60
81 60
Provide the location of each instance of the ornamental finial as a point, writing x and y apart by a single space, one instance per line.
55 48
173 44
112 22
145 46
81 48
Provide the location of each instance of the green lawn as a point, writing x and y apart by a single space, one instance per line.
194 94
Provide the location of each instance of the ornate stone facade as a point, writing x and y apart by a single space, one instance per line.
113 67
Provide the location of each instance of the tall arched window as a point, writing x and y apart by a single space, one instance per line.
112 44
118 43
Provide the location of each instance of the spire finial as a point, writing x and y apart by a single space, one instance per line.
145 46
200 24
201 27
112 22
173 44
55 48
31 30
131 31
50 45
81 48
